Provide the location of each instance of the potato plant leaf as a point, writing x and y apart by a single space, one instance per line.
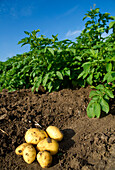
58 73
108 67
51 51
111 24
89 79
93 110
93 93
109 93
104 105
45 79
81 74
90 112
26 32
97 109
100 87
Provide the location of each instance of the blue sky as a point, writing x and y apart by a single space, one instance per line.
62 17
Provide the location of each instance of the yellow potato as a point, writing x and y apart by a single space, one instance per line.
35 135
54 133
44 158
19 150
29 154
48 144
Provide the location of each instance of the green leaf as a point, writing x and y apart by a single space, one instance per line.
106 76
110 76
100 93
84 18
89 79
33 89
89 109
49 66
109 93
93 93
27 33
106 98
51 51
23 40
85 75
67 72
60 50
97 10
45 79
111 24
108 67
100 87
95 98
50 86
81 74
34 74
93 110
58 73
86 66
77 58
104 105
97 109
113 17
73 50
38 82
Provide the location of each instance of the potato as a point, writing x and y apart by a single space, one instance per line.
29 154
19 150
44 158
54 133
34 135
48 144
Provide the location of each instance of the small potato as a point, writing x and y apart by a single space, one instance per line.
44 158
19 150
35 135
54 133
29 154
48 144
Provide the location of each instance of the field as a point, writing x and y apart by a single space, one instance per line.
88 144
67 84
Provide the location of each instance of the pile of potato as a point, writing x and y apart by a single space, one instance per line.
46 144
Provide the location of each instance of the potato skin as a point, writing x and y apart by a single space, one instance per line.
54 133
35 135
48 144
44 158
29 154
19 150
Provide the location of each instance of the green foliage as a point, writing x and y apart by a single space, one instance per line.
100 98
58 64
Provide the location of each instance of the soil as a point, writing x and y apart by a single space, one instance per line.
88 144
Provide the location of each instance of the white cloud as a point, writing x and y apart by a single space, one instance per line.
70 11
73 33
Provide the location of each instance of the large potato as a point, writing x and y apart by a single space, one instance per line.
29 154
44 158
54 133
48 144
19 150
35 135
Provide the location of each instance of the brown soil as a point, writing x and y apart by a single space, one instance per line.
88 144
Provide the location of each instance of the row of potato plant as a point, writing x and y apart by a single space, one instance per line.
54 64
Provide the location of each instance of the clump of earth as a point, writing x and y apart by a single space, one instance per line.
88 144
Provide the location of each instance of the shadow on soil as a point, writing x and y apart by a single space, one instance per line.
68 134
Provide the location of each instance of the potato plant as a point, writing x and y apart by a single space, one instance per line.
54 64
